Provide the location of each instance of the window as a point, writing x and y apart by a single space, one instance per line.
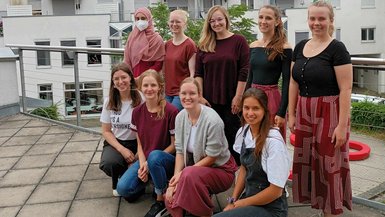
367 34
94 58
66 57
249 3
368 3
45 91
299 36
338 34
91 98
43 57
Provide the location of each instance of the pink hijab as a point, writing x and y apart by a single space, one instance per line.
146 45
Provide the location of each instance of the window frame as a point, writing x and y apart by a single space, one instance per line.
49 91
43 55
367 34
65 55
95 56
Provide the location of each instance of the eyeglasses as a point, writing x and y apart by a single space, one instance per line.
212 21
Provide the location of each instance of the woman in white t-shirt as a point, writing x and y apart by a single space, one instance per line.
265 163
120 141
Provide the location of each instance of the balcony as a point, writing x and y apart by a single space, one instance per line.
51 168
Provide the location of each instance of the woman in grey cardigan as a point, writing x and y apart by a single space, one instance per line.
203 164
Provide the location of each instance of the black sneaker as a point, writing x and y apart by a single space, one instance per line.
158 209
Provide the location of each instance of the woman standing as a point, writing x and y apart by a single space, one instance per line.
120 141
222 67
154 122
319 116
265 163
270 58
145 47
203 164
179 62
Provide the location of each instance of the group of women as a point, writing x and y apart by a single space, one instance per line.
172 117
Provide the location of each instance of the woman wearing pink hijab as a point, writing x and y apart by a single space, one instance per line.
145 47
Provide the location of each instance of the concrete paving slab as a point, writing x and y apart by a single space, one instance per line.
366 172
68 159
21 140
102 207
372 162
31 131
3 139
8 132
65 174
35 161
18 117
94 172
54 138
96 158
22 177
59 129
137 209
41 149
13 151
54 192
14 124
2 173
45 210
94 189
360 185
80 146
15 196
377 146
101 144
7 163
38 123
82 136
9 211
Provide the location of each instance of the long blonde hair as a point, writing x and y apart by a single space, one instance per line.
327 5
207 42
161 97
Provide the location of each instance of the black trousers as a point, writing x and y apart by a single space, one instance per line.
232 124
112 162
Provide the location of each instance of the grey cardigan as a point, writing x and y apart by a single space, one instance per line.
210 136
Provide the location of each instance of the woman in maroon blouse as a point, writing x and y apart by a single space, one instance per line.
222 67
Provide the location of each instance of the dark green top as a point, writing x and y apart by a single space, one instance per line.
265 72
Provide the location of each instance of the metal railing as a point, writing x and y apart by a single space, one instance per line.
361 63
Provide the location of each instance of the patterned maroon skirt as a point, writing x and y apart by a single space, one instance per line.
273 102
321 173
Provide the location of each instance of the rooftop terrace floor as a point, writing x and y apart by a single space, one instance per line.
47 169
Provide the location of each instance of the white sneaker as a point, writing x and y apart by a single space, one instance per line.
115 193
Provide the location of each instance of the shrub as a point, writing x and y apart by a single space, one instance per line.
50 112
366 115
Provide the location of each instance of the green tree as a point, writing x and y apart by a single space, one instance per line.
240 24
160 13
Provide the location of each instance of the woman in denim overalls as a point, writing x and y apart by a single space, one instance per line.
265 163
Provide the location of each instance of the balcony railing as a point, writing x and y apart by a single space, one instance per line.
88 71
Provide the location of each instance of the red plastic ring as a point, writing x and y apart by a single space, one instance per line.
363 150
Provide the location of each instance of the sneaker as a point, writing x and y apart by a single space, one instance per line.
115 193
158 209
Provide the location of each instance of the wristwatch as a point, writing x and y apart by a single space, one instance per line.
231 200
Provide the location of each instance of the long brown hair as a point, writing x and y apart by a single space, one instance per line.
327 5
207 42
264 126
279 39
115 102
161 96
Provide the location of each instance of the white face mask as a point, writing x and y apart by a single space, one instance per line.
141 24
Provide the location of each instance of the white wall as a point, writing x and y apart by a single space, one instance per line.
26 30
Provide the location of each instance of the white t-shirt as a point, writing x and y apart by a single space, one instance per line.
191 140
275 157
120 121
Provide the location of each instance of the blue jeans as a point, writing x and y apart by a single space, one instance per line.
161 167
175 101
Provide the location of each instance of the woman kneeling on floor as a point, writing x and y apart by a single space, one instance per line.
265 163
203 164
